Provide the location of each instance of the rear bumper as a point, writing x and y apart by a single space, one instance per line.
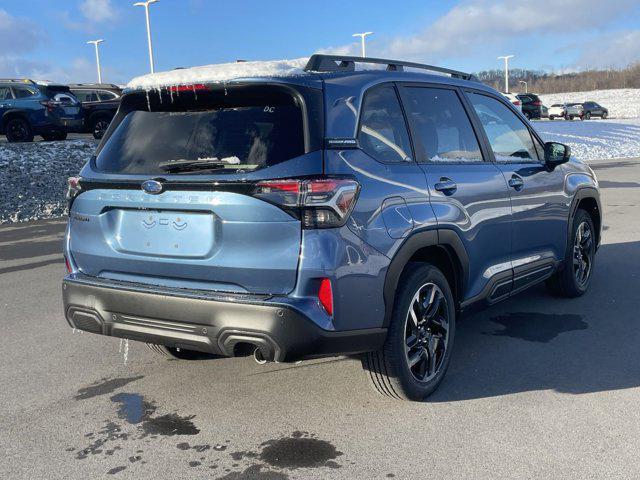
208 323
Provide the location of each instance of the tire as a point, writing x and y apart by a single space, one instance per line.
17 129
587 116
54 136
572 282
551 118
98 126
389 368
605 115
178 353
567 117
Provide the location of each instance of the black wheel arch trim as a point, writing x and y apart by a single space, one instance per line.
581 194
441 237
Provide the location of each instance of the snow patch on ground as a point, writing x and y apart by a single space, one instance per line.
219 73
33 177
595 139
621 102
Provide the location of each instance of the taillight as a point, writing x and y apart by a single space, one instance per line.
516 103
73 187
318 203
49 104
325 296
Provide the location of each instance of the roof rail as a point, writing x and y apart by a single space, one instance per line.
341 63
17 80
93 85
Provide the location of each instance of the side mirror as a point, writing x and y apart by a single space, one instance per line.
556 153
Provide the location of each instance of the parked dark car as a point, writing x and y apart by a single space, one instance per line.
532 107
100 102
330 211
593 109
28 108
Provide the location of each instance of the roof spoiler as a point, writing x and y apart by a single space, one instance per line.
342 63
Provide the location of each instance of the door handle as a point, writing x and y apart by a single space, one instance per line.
516 182
446 186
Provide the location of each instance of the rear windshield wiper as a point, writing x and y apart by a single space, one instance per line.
174 166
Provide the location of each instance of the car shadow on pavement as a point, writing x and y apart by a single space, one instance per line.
535 341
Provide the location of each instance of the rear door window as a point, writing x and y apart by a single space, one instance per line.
383 130
211 130
508 136
441 127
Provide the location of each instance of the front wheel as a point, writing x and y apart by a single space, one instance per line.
417 351
587 116
18 130
574 279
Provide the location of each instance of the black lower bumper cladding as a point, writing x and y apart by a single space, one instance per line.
197 321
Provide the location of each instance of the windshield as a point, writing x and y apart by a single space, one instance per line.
200 138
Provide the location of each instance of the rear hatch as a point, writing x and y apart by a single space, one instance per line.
62 103
168 200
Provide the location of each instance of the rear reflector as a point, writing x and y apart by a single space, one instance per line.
325 296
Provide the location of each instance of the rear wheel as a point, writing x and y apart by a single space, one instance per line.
178 353
574 279
587 116
551 117
416 353
99 126
18 130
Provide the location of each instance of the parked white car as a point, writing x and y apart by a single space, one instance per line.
513 99
568 111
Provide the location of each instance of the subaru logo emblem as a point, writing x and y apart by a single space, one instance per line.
153 187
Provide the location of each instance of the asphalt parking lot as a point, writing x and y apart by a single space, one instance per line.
539 387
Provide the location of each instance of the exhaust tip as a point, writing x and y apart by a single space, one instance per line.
259 357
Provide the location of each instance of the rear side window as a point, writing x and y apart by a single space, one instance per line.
508 136
441 125
23 92
226 132
383 130
105 95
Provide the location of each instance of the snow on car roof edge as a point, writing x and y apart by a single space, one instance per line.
222 72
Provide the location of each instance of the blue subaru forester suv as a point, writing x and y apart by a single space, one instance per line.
331 210
29 108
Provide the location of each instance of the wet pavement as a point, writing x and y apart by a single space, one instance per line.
539 387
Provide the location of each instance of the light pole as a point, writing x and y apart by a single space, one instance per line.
506 71
526 87
95 43
362 37
146 11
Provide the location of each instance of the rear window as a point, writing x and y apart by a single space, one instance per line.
222 131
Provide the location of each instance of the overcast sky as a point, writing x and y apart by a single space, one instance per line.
46 39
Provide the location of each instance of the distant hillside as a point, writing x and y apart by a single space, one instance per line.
542 82
621 103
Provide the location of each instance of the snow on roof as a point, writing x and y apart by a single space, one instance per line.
222 72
